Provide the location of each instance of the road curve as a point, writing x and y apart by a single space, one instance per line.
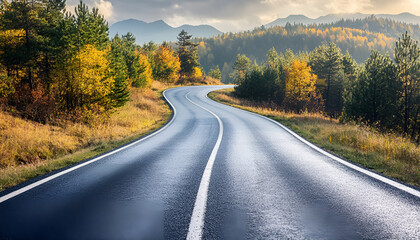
213 172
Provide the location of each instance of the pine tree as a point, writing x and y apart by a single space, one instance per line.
349 65
187 52
374 97
53 45
250 86
215 73
91 28
240 67
326 63
407 55
120 93
275 74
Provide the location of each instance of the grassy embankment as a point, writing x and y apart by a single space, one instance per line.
389 154
29 149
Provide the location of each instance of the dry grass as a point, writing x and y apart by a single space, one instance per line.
29 149
204 80
389 154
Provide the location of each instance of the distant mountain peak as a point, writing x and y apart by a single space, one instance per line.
406 14
159 31
298 15
159 22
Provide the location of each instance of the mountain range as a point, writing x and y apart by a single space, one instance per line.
158 31
330 18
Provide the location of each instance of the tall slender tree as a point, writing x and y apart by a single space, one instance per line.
119 70
407 55
326 63
53 13
187 52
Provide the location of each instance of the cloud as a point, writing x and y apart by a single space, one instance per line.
341 6
105 8
235 15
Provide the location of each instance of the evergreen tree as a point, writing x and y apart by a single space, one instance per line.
119 70
131 58
250 86
326 63
374 97
91 27
275 75
187 52
215 73
349 65
53 45
240 67
150 47
273 60
407 57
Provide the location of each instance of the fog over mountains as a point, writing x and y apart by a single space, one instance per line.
159 31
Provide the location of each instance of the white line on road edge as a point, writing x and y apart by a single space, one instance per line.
376 176
42 181
195 230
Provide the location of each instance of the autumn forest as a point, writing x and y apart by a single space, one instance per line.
57 64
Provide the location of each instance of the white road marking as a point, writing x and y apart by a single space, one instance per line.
376 176
42 181
195 230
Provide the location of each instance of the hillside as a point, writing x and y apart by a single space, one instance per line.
359 37
158 31
330 18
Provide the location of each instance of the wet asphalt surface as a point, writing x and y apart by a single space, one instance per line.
265 184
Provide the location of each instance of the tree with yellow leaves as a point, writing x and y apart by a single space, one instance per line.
300 86
197 72
145 73
167 65
86 83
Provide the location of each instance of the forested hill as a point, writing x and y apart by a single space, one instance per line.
359 37
388 27
302 19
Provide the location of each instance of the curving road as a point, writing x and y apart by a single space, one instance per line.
213 172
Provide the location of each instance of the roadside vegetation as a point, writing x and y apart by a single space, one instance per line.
382 93
390 154
68 91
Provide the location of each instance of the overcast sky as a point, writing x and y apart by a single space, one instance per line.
236 15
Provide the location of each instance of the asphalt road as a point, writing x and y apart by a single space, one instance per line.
213 172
